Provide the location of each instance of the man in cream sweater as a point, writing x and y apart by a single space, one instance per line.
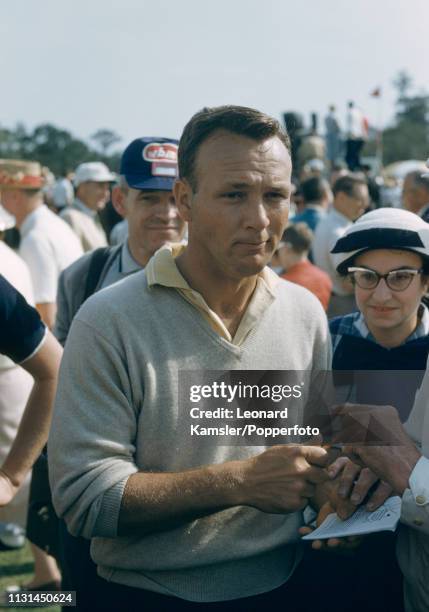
178 521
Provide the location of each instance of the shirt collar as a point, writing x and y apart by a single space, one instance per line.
83 208
128 263
162 270
31 219
339 216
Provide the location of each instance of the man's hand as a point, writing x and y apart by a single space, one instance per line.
350 486
7 489
375 438
279 480
354 486
283 478
342 543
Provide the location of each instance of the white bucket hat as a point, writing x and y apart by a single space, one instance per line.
384 228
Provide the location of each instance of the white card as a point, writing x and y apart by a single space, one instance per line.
385 518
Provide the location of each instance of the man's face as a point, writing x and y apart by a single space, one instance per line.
354 206
8 200
153 219
240 205
94 194
413 196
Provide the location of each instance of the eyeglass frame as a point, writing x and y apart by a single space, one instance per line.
414 272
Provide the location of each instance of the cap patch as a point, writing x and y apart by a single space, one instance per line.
163 153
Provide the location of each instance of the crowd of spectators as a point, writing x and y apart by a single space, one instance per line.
204 254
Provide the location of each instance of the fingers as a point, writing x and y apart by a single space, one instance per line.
337 466
345 509
324 511
362 486
316 455
352 453
382 492
347 479
316 475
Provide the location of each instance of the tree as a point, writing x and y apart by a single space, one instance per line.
104 139
408 138
55 147
402 82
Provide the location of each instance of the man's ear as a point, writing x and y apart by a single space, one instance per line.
118 201
183 195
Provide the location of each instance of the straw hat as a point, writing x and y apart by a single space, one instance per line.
21 174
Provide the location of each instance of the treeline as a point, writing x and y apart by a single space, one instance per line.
57 148
408 136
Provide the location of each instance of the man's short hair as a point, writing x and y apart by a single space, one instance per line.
236 119
299 237
347 184
314 189
419 179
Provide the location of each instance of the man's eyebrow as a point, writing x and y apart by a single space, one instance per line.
235 185
243 185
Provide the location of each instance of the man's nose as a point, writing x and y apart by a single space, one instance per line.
256 215
167 209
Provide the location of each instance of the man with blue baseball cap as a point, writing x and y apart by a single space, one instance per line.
144 198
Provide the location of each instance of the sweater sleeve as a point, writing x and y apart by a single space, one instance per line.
91 445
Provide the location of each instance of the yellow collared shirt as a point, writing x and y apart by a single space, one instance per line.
162 270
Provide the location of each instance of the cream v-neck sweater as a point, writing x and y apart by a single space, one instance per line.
117 413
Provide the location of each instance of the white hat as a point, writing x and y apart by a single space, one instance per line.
93 171
384 228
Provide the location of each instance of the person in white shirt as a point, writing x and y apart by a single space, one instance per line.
92 181
62 193
47 244
15 386
351 199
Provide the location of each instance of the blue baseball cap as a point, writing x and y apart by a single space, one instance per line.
150 163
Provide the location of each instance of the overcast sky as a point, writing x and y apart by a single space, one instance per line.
144 67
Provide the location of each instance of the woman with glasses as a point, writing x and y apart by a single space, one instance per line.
386 256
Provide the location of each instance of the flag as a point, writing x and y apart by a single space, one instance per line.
376 93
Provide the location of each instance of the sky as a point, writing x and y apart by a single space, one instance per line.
143 67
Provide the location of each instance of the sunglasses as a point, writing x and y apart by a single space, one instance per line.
396 280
